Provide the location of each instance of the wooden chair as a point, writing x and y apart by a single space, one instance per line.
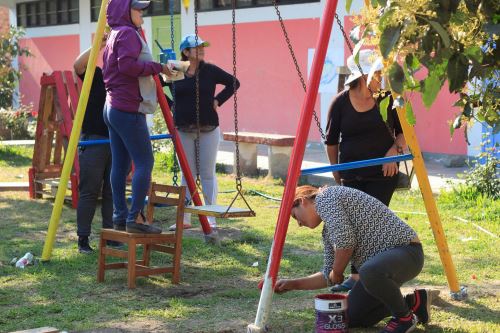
165 242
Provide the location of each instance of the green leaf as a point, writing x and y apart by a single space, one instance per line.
389 38
385 18
348 4
412 62
431 87
396 77
374 3
442 32
410 116
384 105
357 47
382 3
457 72
474 53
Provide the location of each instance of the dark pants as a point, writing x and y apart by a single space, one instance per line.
129 137
95 169
377 294
382 190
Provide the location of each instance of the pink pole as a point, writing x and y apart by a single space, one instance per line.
301 137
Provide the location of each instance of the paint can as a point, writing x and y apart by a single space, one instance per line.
331 313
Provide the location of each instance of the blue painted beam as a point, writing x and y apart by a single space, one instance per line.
103 141
357 164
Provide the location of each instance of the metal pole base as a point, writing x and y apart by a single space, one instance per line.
213 238
252 328
460 295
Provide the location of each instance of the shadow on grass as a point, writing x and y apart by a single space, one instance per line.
15 157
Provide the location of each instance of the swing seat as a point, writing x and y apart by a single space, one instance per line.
219 211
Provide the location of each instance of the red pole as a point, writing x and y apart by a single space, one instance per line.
301 137
181 154
165 109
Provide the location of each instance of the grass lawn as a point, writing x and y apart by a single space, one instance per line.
218 290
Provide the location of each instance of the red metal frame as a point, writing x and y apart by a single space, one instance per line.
302 132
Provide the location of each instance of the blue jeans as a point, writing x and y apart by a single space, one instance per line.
129 137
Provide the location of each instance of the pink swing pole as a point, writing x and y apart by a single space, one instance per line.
181 154
302 132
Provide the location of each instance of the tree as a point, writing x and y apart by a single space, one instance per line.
451 40
9 76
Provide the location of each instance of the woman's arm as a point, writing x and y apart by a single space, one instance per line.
227 80
333 156
80 64
342 258
311 282
128 47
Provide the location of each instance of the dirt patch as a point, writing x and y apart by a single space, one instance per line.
225 234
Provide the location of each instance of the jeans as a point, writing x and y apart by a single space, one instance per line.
377 294
95 169
209 145
130 141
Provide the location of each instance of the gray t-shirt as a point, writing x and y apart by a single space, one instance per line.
355 220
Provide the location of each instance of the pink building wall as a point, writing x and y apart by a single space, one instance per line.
270 97
48 54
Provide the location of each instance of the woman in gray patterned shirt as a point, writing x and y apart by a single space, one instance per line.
385 250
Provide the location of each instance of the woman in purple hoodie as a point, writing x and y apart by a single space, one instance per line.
131 94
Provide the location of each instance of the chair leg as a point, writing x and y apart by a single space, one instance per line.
131 263
146 255
176 260
102 260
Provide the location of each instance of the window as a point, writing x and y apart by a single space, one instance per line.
208 5
47 12
157 8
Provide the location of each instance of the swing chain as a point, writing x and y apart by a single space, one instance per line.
197 89
235 97
175 167
297 67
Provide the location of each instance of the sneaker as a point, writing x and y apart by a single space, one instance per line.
422 305
185 226
83 245
139 228
401 325
114 244
119 227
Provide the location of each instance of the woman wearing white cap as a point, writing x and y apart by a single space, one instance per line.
193 50
356 131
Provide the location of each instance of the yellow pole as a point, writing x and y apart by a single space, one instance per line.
430 203
186 4
75 135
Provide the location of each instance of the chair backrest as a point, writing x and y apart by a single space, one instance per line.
167 195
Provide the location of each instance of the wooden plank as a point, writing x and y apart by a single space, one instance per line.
153 271
219 211
115 265
115 253
261 138
45 329
163 248
14 186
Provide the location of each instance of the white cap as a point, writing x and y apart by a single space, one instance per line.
369 61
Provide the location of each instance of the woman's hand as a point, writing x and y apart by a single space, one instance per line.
283 285
216 105
390 169
167 71
336 278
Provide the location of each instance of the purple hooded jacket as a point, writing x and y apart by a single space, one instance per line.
121 65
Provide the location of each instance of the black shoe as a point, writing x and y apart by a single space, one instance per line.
119 227
140 228
401 325
83 245
422 305
115 244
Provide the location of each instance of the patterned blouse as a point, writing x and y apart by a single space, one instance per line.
355 220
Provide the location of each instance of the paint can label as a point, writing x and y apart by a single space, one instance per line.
331 313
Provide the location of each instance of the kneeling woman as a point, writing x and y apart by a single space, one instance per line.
385 250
